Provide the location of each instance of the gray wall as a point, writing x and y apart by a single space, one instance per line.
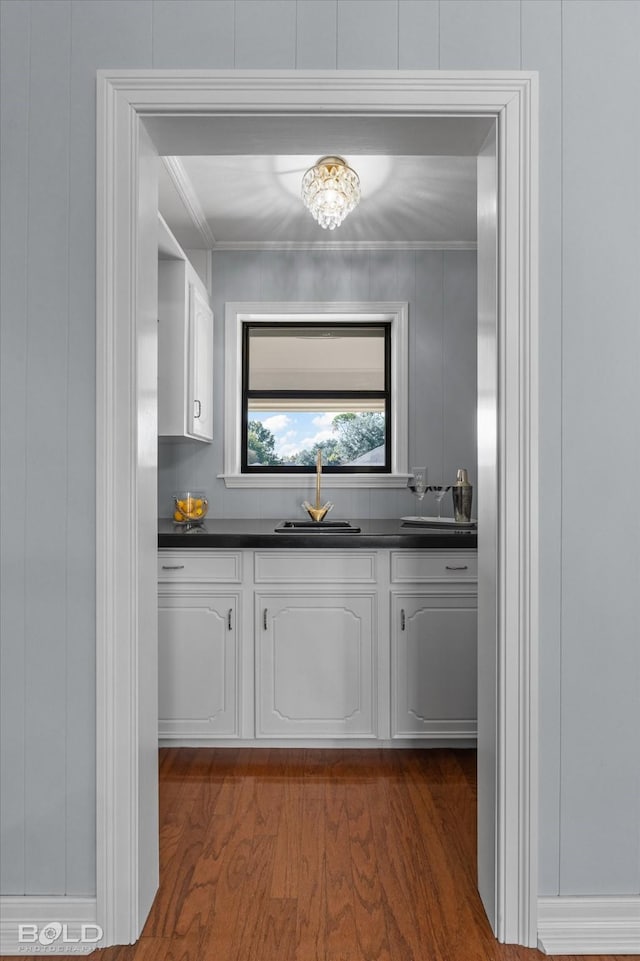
586 52
440 287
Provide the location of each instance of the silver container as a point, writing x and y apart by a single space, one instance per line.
462 493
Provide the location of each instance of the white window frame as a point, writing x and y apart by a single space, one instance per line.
356 312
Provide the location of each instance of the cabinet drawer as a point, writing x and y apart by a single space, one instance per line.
200 567
315 567
418 566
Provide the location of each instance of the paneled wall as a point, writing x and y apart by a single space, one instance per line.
440 287
586 52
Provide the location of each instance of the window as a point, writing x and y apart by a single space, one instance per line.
309 387
306 377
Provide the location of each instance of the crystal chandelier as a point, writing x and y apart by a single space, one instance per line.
330 190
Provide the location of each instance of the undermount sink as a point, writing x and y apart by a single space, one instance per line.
316 527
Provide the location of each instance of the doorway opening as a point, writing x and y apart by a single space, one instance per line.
131 108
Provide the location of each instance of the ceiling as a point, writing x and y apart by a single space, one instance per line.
235 182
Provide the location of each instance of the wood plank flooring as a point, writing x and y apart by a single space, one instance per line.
317 855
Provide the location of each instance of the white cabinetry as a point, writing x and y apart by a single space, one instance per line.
185 351
317 645
199 405
433 645
197 665
199 650
315 664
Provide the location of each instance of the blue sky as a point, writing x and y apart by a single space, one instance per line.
295 431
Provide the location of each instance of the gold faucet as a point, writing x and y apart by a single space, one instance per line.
318 512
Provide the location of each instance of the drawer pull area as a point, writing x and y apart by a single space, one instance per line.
425 567
264 619
200 567
402 620
229 619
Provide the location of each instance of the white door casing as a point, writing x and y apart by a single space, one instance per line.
126 851
126 525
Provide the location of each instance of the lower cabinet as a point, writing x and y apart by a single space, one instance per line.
198 665
433 665
311 645
315 656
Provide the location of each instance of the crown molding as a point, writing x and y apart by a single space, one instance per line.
344 245
182 182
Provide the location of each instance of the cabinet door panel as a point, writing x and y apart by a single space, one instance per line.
434 666
201 381
185 353
315 665
197 665
172 349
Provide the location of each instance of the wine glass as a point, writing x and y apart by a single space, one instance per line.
438 491
418 484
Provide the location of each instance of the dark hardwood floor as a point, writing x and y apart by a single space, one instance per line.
317 855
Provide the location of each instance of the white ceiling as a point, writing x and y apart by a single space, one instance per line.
255 201
228 183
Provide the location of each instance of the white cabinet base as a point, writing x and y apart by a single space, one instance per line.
318 648
355 743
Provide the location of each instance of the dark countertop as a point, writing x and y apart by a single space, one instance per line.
249 534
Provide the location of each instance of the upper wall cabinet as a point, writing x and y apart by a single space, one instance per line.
185 346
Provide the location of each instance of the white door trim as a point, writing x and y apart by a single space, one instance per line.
125 98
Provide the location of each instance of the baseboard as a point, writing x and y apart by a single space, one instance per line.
45 925
352 743
586 925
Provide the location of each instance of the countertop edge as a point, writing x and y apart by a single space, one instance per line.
374 536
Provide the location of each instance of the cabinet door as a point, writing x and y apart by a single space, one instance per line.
434 665
197 665
315 665
172 348
201 366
